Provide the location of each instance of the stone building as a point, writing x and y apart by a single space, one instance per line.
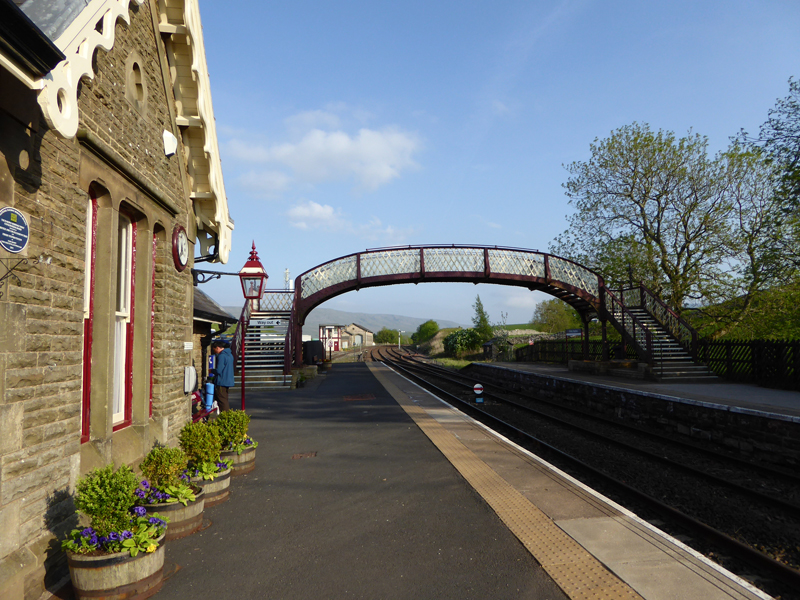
356 335
110 185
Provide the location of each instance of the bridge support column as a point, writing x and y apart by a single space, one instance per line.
298 345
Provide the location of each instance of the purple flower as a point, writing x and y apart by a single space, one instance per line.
113 537
88 532
140 494
140 511
145 484
127 534
157 521
102 540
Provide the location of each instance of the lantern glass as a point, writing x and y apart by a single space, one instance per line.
251 286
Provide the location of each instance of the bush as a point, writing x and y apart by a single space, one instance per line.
201 442
107 496
460 341
163 466
232 426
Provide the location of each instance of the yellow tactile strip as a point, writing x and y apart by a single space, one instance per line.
579 574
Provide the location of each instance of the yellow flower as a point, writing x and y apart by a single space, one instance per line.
151 548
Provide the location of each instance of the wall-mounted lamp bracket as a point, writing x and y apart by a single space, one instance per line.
10 270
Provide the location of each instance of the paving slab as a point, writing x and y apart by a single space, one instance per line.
367 508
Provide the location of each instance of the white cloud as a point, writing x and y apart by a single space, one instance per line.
373 157
267 184
311 119
310 215
318 149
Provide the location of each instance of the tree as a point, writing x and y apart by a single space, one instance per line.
480 322
460 341
554 315
779 140
425 331
651 204
386 336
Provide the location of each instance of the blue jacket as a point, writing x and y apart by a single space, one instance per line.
223 365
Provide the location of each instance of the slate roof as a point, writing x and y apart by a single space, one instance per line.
206 308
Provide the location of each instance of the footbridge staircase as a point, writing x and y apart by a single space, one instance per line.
260 342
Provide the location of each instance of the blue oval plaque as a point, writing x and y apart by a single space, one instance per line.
14 232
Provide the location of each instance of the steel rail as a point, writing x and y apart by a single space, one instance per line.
499 389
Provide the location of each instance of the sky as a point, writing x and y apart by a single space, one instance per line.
351 125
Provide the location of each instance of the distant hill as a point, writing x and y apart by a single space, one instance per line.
329 316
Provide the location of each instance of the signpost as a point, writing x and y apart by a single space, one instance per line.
478 389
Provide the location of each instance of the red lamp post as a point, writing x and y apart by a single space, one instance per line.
253 277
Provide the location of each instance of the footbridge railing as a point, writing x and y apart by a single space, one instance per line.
571 282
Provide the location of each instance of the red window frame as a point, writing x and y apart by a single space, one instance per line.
88 323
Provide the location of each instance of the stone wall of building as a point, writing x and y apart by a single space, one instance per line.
119 148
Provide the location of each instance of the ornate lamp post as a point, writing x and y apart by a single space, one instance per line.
253 277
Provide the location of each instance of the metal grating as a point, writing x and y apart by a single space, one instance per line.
276 301
304 455
574 275
389 262
513 262
327 275
454 259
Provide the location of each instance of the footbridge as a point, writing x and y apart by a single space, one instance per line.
575 284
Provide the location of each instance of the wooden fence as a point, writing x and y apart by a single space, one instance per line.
774 364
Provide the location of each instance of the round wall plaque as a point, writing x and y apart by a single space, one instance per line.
14 231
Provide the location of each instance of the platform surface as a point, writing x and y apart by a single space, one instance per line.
366 486
742 395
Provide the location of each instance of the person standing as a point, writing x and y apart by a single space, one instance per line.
223 373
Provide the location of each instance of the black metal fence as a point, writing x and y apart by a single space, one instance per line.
561 351
774 364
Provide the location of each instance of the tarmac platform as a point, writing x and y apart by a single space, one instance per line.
366 486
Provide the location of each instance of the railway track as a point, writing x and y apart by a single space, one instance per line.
744 516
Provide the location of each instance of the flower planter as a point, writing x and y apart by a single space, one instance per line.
183 520
242 463
216 490
117 576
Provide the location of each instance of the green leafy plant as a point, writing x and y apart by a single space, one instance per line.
107 497
209 470
232 426
201 442
163 466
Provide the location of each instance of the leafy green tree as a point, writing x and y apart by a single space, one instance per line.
461 341
425 331
651 203
480 322
386 336
555 315
779 141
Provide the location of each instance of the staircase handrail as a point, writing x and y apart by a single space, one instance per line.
287 347
631 328
684 334
241 330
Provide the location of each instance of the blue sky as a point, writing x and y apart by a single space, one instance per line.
352 125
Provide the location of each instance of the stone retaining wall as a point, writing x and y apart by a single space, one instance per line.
756 435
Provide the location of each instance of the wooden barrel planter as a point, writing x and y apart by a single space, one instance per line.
183 520
117 576
242 463
216 490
